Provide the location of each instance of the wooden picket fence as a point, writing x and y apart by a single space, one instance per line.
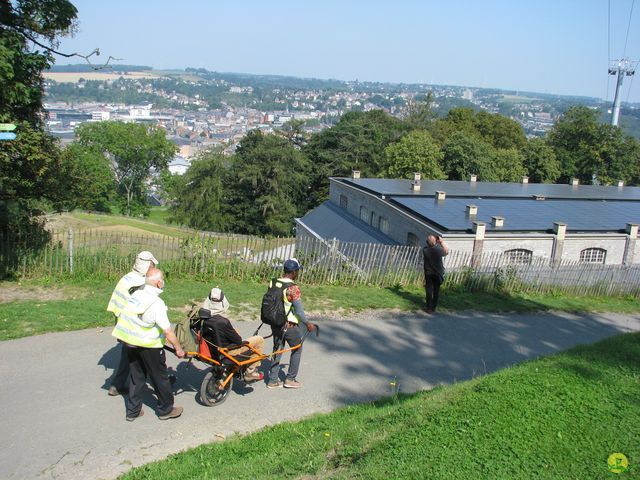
206 255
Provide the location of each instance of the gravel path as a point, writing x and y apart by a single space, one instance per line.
58 422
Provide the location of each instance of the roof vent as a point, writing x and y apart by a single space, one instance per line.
355 174
497 221
525 179
539 197
415 184
620 183
440 195
473 178
472 210
574 181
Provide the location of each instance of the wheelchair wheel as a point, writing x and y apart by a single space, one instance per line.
210 394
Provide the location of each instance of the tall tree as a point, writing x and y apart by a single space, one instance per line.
200 194
29 29
591 151
268 185
87 178
466 154
415 152
133 149
357 141
31 165
540 161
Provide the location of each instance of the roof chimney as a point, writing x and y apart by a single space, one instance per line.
574 181
620 183
472 210
355 174
415 184
525 179
440 195
497 221
473 178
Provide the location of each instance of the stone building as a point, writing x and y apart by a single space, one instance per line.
582 223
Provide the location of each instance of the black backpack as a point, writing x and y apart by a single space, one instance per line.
272 311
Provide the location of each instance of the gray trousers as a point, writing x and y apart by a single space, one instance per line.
292 337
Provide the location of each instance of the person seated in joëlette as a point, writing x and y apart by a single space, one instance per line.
219 331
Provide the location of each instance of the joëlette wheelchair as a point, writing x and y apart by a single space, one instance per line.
225 366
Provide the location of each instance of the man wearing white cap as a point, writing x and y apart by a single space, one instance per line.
128 284
224 335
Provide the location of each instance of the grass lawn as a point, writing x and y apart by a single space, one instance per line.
559 417
35 307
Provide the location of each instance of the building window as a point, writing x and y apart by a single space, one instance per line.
344 202
413 240
518 256
593 255
383 224
372 219
364 214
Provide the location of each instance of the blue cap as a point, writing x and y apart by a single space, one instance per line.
291 265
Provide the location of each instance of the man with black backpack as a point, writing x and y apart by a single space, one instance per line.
282 309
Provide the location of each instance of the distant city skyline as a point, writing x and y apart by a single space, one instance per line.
544 46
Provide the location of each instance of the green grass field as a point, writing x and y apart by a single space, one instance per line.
39 306
555 418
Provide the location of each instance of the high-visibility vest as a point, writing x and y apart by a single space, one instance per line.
288 307
132 328
121 294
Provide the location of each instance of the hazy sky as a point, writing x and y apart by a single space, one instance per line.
553 46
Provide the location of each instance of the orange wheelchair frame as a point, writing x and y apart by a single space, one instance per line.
217 382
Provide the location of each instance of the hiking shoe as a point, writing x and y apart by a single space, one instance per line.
131 419
277 384
253 376
114 392
288 383
174 413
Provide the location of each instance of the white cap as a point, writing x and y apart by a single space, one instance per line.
143 262
216 302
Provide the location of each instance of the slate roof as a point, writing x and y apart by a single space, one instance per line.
330 221
456 188
584 208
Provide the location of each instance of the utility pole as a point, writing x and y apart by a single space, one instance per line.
621 68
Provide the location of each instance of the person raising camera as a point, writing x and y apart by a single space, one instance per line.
433 254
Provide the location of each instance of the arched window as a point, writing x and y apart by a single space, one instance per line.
364 213
518 256
383 225
413 240
593 255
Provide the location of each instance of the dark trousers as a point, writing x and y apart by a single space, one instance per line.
432 290
150 362
293 337
121 378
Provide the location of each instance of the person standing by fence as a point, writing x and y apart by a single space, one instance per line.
128 284
432 255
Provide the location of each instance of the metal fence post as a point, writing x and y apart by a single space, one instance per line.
70 250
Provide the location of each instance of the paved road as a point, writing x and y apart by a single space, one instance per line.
58 422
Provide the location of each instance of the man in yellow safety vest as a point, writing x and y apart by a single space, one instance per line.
143 327
124 288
